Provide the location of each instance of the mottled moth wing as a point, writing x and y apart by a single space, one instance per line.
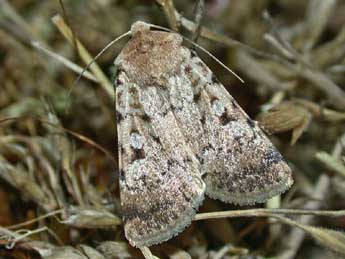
160 181
239 163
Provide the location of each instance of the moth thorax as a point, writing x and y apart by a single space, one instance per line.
151 56
139 26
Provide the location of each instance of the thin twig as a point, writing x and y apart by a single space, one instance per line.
267 213
28 222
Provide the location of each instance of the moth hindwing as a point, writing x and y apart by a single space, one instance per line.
181 134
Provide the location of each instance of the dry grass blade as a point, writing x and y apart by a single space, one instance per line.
254 70
199 13
333 240
98 73
22 180
319 111
65 152
74 67
331 53
147 253
318 14
8 10
121 249
91 252
169 9
23 234
91 218
217 37
331 163
71 132
303 68
28 222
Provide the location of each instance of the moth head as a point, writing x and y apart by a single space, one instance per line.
139 26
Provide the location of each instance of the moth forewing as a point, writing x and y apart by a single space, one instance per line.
181 134
240 163
160 181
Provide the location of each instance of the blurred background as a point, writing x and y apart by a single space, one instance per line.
58 151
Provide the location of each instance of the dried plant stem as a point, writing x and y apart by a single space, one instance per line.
254 69
334 240
294 239
74 67
319 13
267 213
303 68
71 132
265 76
8 10
22 234
339 146
331 53
222 252
87 58
319 111
147 253
331 162
325 84
217 37
50 214
169 9
199 12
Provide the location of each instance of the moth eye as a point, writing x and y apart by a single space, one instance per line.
136 140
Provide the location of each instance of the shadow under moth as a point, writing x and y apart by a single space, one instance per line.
182 135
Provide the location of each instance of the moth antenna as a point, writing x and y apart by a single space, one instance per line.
216 59
161 28
93 60
202 49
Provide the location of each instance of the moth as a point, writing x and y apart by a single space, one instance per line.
181 135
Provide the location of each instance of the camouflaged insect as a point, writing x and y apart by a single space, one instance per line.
181 135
